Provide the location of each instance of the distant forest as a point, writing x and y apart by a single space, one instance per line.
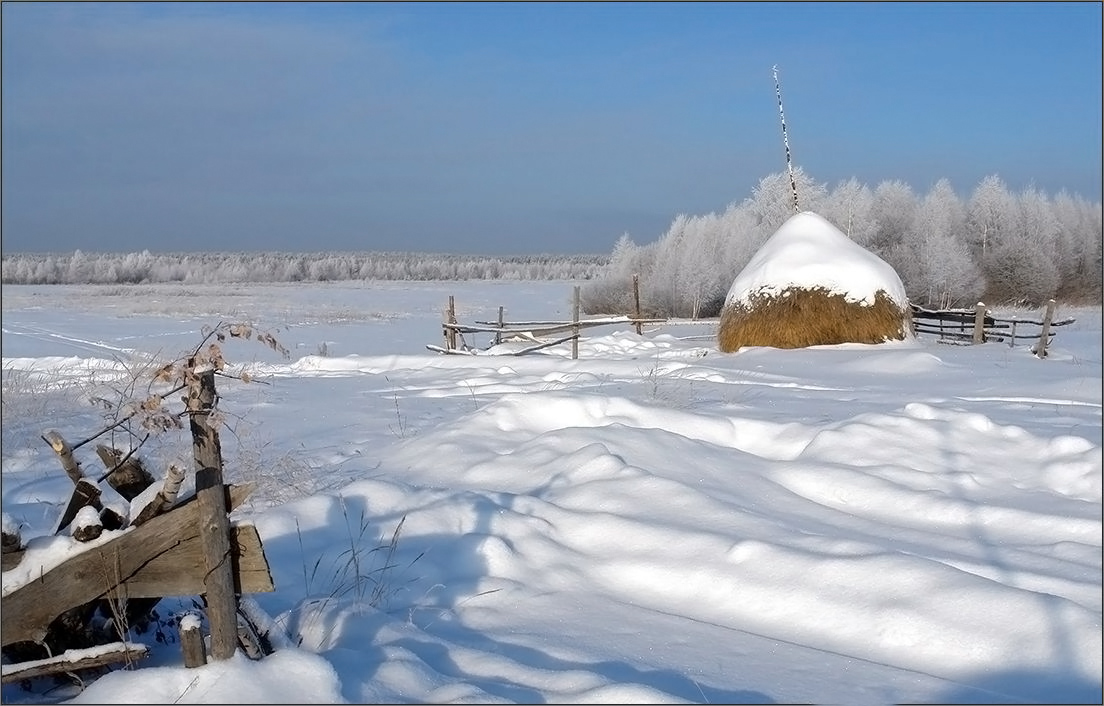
996 246
237 267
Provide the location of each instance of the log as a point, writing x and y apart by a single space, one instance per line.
65 454
10 560
87 525
11 539
125 473
75 660
165 498
191 642
85 494
122 568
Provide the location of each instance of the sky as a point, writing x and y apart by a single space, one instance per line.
652 521
513 128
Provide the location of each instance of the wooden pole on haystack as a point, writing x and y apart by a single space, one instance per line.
785 140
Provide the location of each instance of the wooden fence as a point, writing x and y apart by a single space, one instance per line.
978 325
530 332
163 548
957 326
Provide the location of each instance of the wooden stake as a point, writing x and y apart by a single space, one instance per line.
575 328
214 523
191 642
1044 337
636 298
979 323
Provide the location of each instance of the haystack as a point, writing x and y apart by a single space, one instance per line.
811 285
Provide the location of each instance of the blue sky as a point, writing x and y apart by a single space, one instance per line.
512 128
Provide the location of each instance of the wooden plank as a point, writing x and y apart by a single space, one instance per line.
546 344
74 660
528 325
91 574
179 572
545 328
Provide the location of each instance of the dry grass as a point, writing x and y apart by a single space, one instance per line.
798 317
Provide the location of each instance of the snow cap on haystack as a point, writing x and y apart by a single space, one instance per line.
809 284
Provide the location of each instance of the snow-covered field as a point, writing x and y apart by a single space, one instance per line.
653 522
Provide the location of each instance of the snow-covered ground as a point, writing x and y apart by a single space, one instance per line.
653 522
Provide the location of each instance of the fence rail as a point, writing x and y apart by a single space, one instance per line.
978 325
525 331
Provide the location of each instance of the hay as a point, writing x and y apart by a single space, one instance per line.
798 317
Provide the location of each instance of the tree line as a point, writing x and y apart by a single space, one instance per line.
995 246
236 267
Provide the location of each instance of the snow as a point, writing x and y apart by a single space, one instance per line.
807 252
10 526
86 517
654 522
190 621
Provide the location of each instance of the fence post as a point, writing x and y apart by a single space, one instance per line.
450 333
1044 338
636 298
979 323
498 334
191 642
575 328
214 522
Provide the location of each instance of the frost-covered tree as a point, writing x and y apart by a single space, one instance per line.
893 211
990 215
941 270
1023 264
611 293
700 268
850 207
1079 246
771 201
